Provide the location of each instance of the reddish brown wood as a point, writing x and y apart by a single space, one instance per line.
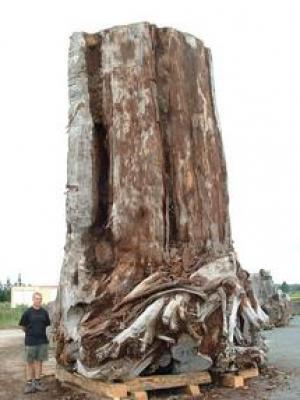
147 193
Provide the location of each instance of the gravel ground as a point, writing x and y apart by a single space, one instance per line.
284 354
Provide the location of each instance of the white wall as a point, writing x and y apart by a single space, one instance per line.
23 294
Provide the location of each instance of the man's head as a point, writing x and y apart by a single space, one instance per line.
37 300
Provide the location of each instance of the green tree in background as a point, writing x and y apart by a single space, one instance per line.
5 291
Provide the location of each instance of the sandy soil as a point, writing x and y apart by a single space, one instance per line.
281 380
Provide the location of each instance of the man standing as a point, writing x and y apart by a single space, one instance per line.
34 322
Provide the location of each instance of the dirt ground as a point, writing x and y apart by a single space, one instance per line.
12 372
281 380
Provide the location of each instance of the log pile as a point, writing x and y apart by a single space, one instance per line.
274 302
150 280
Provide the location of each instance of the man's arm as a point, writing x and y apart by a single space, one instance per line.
24 321
48 322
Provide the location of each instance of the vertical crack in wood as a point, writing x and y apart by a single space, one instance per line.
101 153
162 80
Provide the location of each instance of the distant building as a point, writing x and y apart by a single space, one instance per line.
23 294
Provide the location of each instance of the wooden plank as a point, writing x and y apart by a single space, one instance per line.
193 390
115 390
137 386
141 395
249 373
232 381
167 381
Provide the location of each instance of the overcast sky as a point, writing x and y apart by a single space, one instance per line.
255 48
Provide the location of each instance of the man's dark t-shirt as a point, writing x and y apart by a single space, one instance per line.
35 322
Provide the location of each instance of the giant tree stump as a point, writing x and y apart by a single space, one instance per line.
150 279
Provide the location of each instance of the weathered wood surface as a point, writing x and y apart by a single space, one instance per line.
232 381
117 390
138 385
149 264
249 373
168 381
273 301
238 380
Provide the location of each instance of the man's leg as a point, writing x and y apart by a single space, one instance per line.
30 373
38 365
42 355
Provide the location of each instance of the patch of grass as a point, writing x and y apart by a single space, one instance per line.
295 295
9 317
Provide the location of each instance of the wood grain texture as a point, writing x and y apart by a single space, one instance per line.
148 255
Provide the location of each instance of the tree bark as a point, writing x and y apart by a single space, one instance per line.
148 259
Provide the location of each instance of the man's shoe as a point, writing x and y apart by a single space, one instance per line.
29 387
39 387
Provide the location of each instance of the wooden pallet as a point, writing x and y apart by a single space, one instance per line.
138 386
237 380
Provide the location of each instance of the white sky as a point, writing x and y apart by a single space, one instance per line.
255 47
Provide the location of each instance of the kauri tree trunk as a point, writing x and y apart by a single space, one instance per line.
150 281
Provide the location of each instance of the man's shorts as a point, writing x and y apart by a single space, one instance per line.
36 353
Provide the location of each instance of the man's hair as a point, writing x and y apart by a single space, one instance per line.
36 294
